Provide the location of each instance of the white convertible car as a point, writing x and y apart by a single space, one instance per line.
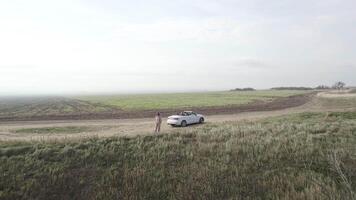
185 118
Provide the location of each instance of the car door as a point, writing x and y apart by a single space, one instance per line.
188 118
192 118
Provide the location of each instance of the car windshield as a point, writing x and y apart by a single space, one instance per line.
184 114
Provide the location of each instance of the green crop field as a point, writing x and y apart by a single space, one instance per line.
45 106
300 156
182 100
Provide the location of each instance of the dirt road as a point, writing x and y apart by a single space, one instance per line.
131 127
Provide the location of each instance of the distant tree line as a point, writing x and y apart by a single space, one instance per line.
322 87
292 88
338 85
243 89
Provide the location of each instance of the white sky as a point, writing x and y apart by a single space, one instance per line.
68 46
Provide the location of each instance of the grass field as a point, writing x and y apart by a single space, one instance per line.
300 156
182 100
339 102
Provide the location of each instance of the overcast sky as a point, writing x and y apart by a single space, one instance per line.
121 46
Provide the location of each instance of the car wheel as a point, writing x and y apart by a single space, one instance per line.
201 120
184 123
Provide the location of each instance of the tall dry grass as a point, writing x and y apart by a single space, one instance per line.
304 156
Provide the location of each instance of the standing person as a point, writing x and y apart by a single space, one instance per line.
158 122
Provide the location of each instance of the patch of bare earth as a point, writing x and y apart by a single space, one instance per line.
337 94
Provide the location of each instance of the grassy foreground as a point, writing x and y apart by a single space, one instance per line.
303 156
182 100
